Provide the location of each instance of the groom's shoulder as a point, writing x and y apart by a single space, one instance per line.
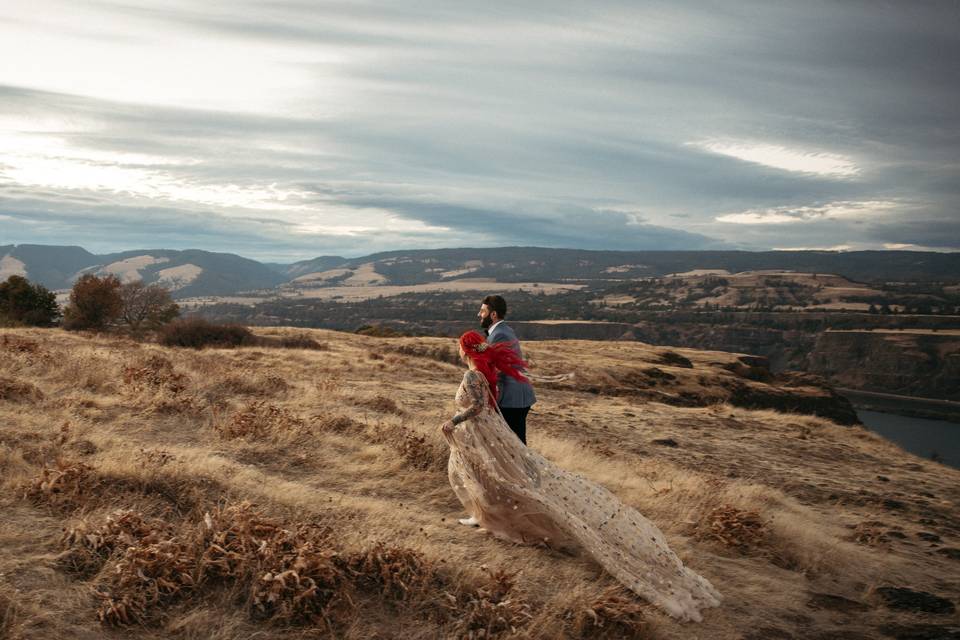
502 332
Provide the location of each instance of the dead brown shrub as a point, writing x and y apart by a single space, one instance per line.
302 341
13 390
489 610
870 534
735 528
88 548
336 424
157 373
260 420
418 451
18 345
65 487
381 404
614 614
291 576
439 352
147 576
396 573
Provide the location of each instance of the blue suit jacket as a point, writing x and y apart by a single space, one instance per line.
513 394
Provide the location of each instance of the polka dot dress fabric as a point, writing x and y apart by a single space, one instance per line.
518 495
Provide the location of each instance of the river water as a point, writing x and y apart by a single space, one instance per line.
919 436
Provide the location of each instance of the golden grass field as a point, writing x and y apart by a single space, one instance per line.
151 492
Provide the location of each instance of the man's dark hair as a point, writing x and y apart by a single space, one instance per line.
498 304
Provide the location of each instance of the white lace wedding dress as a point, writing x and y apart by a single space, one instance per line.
519 495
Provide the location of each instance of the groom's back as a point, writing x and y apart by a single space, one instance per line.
513 393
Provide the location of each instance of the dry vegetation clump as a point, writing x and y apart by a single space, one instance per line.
13 390
65 487
87 549
870 534
156 372
148 576
17 344
490 610
735 528
445 352
611 616
674 359
418 451
381 404
336 423
395 573
197 333
288 575
260 420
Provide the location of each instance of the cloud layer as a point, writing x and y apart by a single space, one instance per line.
287 130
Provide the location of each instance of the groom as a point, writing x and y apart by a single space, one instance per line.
515 398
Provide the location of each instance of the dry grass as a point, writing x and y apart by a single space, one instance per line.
127 470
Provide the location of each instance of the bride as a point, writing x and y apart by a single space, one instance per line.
518 495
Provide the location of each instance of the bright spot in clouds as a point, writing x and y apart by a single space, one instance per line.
779 157
831 211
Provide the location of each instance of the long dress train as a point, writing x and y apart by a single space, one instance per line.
520 496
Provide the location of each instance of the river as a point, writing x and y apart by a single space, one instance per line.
919 436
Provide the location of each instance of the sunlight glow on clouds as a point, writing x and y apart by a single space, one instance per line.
51 162
779 157
831 211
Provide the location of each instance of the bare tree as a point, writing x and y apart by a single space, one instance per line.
146 305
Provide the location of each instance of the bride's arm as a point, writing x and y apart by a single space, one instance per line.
475 393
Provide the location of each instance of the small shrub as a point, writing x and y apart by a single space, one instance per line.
155 372
440 352
417 451
66 486
12 390
336 424
734 528
614 614
674 359
379 331
94 303
259 420
381 404
88 548
490 610
396 573
302 341
197 333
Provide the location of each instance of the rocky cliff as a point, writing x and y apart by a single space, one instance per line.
915 363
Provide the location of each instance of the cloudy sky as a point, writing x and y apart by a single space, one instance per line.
286 130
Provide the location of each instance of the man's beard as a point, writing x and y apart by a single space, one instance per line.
485 322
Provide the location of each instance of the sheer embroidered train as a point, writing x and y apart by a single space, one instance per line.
519 495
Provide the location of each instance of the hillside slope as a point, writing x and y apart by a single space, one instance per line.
807 527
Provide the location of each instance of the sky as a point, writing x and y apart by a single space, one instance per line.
287 130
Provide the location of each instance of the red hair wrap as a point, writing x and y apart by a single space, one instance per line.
491 359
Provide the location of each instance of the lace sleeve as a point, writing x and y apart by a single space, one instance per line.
475 392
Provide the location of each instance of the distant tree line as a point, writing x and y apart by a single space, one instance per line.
96 303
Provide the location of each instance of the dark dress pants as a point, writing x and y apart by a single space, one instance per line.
517 421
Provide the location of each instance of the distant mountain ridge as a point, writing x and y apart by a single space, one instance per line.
186 273
193 272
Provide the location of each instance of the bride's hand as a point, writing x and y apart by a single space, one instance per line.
447 427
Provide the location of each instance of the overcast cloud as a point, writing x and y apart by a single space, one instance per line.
286 130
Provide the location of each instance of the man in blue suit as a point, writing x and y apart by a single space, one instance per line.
514 397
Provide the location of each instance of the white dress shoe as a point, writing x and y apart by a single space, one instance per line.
470 522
